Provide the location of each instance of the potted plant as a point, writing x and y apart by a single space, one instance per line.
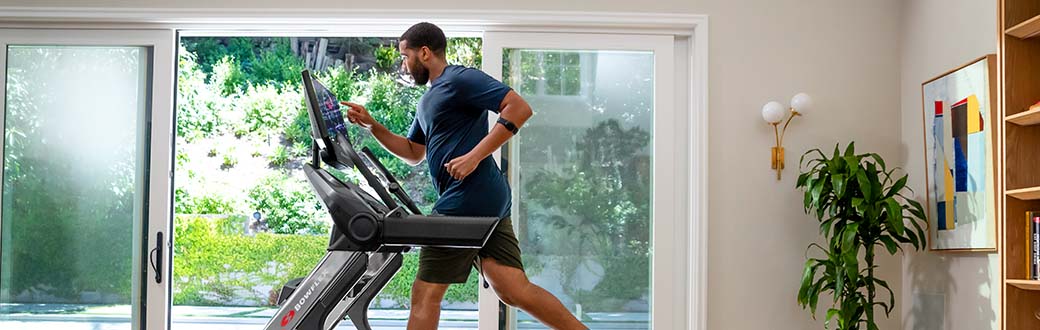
861 207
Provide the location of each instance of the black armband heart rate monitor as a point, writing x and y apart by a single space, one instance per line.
508 125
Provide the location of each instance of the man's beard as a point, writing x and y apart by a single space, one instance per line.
420 75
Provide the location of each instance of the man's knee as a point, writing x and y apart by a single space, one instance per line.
513 292
510 284
427 296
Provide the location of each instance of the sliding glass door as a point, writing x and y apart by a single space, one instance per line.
592 206
75 232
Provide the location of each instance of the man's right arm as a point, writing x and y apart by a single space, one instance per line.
408 151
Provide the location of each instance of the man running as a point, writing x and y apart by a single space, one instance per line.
450 131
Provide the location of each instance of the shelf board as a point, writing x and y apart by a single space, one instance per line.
1025 193
1025 284
1025 30
1025 118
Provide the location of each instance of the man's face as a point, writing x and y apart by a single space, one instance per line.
412 63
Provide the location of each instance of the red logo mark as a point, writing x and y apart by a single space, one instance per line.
288 317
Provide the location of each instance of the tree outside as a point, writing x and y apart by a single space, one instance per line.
243 138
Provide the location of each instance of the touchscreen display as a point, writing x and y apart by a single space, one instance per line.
329 106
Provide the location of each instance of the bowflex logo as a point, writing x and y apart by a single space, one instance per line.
288 317
310 290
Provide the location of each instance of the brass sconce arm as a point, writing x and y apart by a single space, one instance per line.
774 113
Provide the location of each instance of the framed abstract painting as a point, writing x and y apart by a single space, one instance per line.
960 124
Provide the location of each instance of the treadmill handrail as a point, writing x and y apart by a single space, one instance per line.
394 186
342 144
399 229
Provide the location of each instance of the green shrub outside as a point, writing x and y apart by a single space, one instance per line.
208 275
214 263
268 101
184 203
277 65
289 205
198 105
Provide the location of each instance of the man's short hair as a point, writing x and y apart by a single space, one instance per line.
426 34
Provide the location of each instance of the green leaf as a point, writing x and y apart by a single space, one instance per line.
895 216
807 276
816 192
802 179
838 181
817 151
917 210
814 299
878 159
850 150
923 239
807 201
875 182
896 187
831 313
849 236
891 296
851 260
825 226
864 184
857 203
890 244
812 245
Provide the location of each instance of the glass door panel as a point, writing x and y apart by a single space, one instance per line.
583 180
75 153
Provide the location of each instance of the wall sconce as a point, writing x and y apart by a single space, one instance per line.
774 112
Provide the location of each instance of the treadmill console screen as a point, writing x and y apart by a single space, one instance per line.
329 106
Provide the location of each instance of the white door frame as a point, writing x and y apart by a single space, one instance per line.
667 266
691 76
160 129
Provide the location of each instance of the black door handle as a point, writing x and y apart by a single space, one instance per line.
156 257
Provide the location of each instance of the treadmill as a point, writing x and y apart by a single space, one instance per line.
372 227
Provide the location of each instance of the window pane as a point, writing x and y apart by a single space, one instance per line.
571 80
247 220
73 184
554 77
584 181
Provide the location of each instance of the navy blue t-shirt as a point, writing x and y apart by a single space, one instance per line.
451 120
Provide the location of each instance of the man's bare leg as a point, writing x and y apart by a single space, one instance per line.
426 305
514 289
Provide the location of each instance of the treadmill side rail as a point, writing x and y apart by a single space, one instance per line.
335 266
382 267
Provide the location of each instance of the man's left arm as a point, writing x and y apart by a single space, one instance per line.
513 109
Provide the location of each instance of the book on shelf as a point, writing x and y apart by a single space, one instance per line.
1033 218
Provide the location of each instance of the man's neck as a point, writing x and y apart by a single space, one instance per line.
436 70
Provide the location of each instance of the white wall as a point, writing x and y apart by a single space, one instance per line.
842 52
943 290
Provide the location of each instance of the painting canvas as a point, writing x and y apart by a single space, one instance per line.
959 133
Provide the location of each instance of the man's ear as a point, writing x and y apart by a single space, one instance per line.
425 53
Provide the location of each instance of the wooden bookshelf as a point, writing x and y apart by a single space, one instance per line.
1026 118
1025 30
1026 194
1025 284
1019 88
